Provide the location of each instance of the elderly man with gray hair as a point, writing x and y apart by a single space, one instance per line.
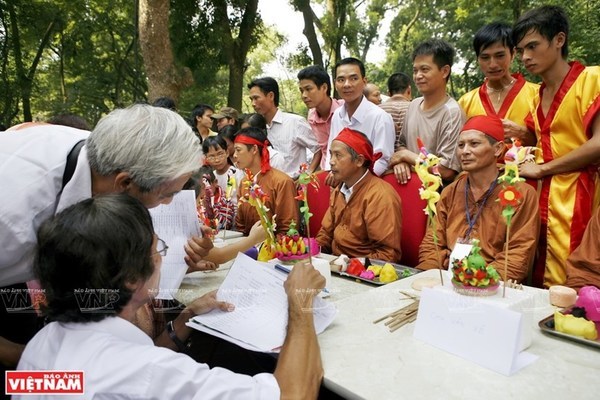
144 151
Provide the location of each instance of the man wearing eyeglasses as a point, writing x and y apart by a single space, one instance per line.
119 252
144 151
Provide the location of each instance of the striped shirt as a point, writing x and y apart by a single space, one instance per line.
396 106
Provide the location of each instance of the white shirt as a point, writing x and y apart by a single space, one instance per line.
222 179
375 123
121 361
32 164
347 191
291 135
276 159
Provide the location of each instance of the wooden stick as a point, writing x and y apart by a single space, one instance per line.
388 315
437 248
308 236
400 320
402 310
408 321
506 261
400 317
409 295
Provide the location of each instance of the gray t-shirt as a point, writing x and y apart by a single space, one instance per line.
438 129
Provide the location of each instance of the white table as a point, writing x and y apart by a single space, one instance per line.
365 360
196 284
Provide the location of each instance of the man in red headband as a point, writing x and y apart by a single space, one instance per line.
364 217
251 152
468 208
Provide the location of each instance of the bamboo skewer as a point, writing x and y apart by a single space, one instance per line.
392 314
402 316
408 321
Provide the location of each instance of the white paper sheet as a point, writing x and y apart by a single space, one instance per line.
175 223
261 313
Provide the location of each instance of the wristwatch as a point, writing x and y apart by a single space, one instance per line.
171 331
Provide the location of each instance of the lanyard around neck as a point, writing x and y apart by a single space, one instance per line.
470 219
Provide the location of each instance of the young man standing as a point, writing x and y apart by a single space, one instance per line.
436 117
226 116
468 208
502 94
202 121
360 114
565 120
315 89
289 134
400 94
355 223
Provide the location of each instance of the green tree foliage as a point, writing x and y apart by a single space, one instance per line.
210 34
457 21
88 66
83 57
349 24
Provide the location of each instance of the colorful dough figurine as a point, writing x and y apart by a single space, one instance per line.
388 273
577 326
471 276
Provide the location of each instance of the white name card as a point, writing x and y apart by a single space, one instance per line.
472 329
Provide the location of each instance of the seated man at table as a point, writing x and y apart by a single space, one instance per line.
364 218
252 153
468 208
106 246
583 264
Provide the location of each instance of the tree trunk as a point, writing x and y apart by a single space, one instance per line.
25 78
340 17
236 49
309 30
375 13
164 77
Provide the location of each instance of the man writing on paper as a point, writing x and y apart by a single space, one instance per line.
364 217
119 252
147 152
468 208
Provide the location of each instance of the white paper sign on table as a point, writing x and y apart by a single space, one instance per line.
474 330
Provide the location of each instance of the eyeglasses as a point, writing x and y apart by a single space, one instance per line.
161 247
216 156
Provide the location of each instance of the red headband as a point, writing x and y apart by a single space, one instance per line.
488 125
265 163
360 144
